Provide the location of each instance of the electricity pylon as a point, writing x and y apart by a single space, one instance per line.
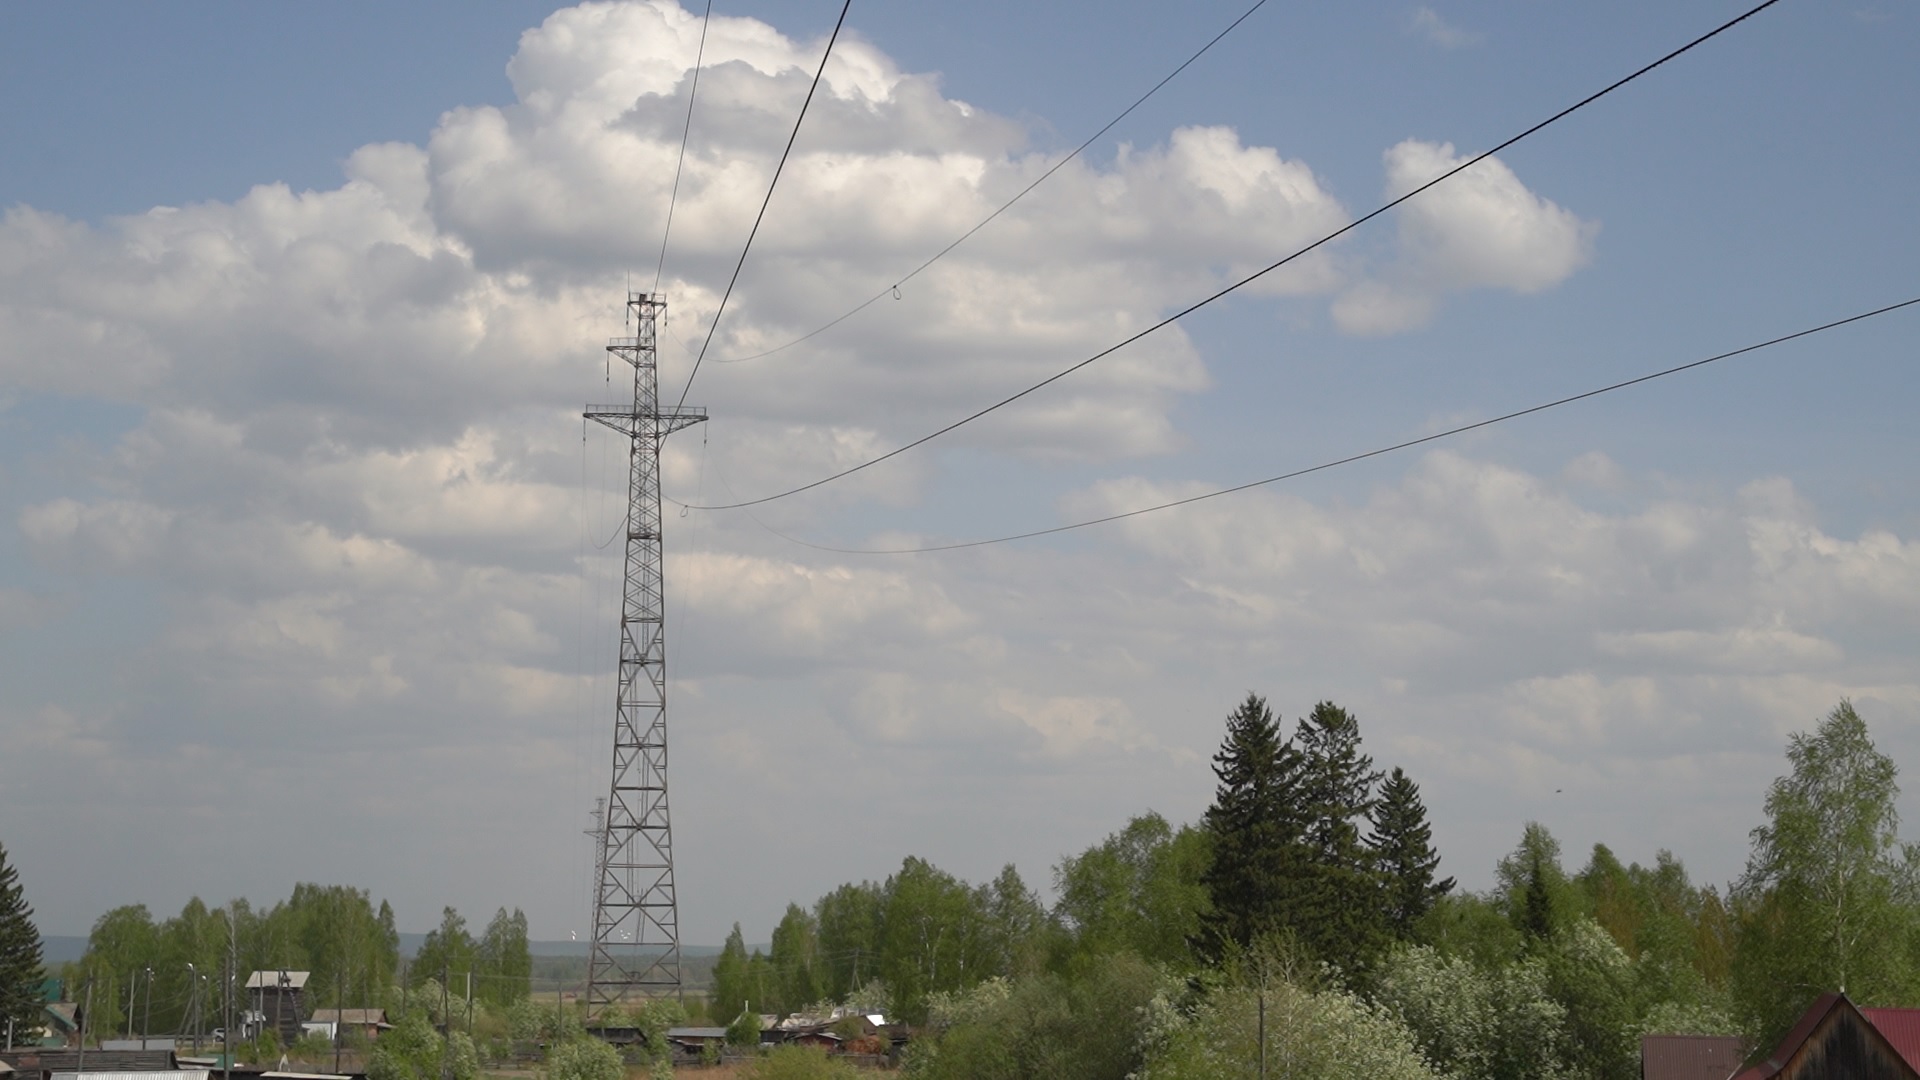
636 920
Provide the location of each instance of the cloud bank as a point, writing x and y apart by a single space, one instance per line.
354 538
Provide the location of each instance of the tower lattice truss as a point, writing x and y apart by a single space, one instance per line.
636 923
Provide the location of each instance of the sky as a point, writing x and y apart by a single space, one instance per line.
304 560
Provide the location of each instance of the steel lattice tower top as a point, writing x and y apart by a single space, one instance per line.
636 921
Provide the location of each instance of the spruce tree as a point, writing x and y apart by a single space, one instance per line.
1340 916
20 969
1257 830
1403 855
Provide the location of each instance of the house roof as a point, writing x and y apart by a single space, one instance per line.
1690 1057
350 1016
1817 1016
1902 1029
104 1061
697 1033
266 980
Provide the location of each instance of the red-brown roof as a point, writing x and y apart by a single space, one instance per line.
1811 1021
1902 1029
1690 1057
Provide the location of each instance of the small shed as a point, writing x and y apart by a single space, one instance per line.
1833 1041
693 1040
367 1023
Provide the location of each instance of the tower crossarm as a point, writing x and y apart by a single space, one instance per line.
658 423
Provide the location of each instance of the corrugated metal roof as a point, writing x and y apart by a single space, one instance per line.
292 980
1902 1029
106 1061
178 1074
1690 1057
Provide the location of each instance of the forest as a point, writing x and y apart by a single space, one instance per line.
1303 920
1308 904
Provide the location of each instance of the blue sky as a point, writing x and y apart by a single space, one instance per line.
298 502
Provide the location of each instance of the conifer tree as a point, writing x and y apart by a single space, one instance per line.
1402 846
1258 831
20 969
1340 918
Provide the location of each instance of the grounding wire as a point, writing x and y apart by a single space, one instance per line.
714 327
1004 207
693 91
1378 452
1256 275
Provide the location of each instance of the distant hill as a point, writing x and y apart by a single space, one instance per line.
57 949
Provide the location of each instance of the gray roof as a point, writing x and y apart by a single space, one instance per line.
697 1033
264 980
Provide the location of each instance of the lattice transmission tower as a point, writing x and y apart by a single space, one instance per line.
636 919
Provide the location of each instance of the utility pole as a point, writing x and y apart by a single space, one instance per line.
226 995
193 1005
635 908
80 1065
339 1013
146 1016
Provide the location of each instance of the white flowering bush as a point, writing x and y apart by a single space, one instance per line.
1325 1035
1477 1023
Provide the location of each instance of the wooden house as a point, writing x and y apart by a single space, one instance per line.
1833 1041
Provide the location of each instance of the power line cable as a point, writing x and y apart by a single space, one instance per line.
1191 308
1004 207
1351 458
693 92
714 328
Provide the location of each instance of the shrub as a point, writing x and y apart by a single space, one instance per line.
797 1063
584 1058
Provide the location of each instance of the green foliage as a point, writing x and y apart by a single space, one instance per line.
1402 846
798 1063
744 1030
1257 831
1533 888
503 961
448 953
1340 918
20 966
1327 1034
849 922
581 1058
413 1050
1594 982
1139 891
1471 927
733 988
265 1047
310 1048
653 1017
1077 1027
797 974
1820 905
331 931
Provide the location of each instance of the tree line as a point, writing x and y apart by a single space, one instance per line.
146 973
1307 904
